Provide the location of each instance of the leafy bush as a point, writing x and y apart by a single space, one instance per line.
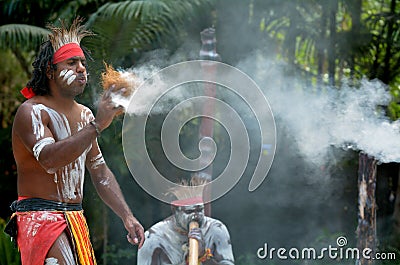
9 254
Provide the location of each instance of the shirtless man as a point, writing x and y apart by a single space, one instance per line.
167 242
54 139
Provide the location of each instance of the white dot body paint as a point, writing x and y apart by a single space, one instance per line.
70 178
71 79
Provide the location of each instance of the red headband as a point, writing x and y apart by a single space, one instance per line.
67 51
188 202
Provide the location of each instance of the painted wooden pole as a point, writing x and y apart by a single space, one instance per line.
208 52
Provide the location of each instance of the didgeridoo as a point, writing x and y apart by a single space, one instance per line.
193 246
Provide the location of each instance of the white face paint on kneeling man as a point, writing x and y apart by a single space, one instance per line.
167 242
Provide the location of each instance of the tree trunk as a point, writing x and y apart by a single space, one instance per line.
321 45
356 9
396 215
332 42
366 230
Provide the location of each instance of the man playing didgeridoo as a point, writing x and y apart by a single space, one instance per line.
54 139
167 242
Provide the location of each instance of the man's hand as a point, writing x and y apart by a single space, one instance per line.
135 231
195 233
106 109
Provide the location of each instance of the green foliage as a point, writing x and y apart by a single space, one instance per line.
384 49
116 255
394 106
128 28
12 78
394 109
9 254
28 37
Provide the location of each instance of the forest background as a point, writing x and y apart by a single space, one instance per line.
313 45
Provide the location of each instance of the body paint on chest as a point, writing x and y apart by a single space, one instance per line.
70 178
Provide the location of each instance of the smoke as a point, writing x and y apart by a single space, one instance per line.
147 68
141 74
347 117
317 119
299 200
309 193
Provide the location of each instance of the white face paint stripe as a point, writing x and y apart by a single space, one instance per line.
68 74
71 79
63 72
38 147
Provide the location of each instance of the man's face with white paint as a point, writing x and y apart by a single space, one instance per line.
186 214
71 76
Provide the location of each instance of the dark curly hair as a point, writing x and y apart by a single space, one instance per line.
39 82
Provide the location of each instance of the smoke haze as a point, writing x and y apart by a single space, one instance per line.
310 192
348 117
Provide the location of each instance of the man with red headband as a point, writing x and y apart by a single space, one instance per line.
54 139
167 242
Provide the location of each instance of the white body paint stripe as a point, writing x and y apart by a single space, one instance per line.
38 147
97 161
69 178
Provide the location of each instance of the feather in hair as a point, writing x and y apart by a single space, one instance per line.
189 189
61 35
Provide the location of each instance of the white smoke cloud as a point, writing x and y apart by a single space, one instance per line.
344 117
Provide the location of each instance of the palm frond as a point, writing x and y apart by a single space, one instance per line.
137 25
21 36
150 9
129 10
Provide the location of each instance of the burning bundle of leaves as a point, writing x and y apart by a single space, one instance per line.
120 79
